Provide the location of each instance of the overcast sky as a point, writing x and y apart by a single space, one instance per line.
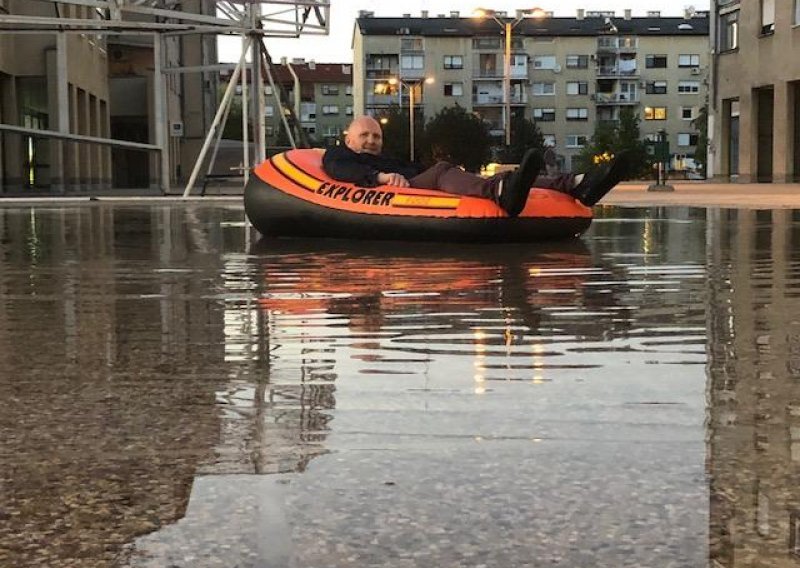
335 47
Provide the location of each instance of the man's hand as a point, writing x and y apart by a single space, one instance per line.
392 179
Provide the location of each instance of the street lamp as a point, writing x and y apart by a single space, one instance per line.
508 24
410 86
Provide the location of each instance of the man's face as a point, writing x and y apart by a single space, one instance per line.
364 137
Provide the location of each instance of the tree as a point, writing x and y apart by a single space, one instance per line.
525 134
612 137
700 123
457 136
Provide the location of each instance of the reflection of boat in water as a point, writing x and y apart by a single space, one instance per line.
290 195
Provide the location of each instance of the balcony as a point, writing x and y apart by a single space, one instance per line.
497 99
379 73
616 98
617 44
615 72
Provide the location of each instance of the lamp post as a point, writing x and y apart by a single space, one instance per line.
410 86
508 25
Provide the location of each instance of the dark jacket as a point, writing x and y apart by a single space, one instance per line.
342 164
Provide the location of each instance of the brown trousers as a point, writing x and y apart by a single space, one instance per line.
452 179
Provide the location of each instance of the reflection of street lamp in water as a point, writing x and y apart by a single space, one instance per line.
410 86
508 24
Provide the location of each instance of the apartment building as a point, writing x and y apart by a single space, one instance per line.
321 95
566 73
756 91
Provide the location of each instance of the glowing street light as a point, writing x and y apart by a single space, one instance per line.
409 84
508 24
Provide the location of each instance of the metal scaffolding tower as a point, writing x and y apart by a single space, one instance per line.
252 20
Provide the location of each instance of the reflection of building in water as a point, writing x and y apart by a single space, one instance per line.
754 389
111 345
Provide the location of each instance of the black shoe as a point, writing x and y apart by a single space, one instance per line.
514 188
602 179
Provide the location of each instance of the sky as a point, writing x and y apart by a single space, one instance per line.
335 47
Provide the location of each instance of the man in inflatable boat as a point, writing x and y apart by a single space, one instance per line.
360 161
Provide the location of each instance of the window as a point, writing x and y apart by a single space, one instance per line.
348 90
576 140
330 89
687 113
453 62
348 110
577 88
487 43
544 114
577 61
689 60
656 88
544 61
453 89
655 61
549 140
687 139
655 113
270 130
767 17
269 110
729 31
330 109
268 90
544 88
577 114
411 44
412 62
688 87
796 18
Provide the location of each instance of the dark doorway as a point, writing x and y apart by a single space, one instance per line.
764 99
131 167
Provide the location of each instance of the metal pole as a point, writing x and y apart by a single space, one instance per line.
159 95
507 85
410 87
245 117
226 100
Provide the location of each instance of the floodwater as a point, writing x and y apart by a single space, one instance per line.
172 394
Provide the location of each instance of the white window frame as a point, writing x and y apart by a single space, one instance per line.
577 113
767 17
330 110
348 110
415 62
796 22
454 86
576 140
348 90
688 87
576 87
544 61
450 62
542 86
269 111
655 86
691 113
689 60
544 114
653 111
684 139
577 61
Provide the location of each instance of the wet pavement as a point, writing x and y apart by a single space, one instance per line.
177 394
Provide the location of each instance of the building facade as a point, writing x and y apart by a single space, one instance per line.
565 73
321 95
755 109
101 86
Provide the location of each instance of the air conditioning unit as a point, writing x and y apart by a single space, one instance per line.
695 70
556 68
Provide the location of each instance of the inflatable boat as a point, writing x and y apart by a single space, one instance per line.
290 195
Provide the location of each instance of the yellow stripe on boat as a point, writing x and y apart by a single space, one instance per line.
401 200
296 175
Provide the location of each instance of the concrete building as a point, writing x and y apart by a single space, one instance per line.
321 95
756 91
566 73
103 86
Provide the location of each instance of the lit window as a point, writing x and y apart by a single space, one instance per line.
655 113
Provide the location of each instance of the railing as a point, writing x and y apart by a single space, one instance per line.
481 99
490 73
616 98
617 44
605 71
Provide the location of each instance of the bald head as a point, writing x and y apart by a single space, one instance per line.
364 136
